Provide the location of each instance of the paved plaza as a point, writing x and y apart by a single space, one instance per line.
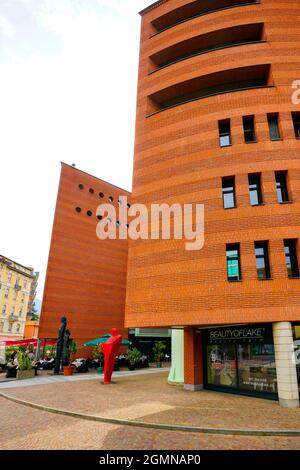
144 397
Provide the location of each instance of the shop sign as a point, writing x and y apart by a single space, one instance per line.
248 333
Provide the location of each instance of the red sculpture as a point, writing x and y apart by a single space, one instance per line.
110 350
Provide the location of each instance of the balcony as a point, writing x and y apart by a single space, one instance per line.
227 81
194 10
204 43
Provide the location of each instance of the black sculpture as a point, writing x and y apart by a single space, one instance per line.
60 345
65 359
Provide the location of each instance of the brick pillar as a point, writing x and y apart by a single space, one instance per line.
193 364
285 365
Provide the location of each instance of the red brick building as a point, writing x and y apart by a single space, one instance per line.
86 277
216 125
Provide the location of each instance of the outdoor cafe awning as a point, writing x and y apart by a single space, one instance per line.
26 342
103 339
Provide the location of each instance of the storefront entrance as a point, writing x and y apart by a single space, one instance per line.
240 359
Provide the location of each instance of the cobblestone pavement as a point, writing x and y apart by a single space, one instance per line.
47 378
149 398
26 428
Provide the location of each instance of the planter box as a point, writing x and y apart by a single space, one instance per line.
25 374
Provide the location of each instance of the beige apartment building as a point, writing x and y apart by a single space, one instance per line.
15 285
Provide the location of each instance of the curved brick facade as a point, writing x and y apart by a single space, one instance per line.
178 159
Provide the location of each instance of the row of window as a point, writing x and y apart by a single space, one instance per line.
101 195
9 328
255 190
99 217
262 260
4 311
249 128
17 282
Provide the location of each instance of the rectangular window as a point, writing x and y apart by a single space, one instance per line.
249 131
233 262
296 122
255 189
281 186
224 133
291 258
228 189
262 260
273 126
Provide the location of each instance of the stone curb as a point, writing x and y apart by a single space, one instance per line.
143 424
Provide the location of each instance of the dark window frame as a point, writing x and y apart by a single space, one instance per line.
290 251
249 129
296 124
274 127
262 255
255 186
224 126
228 190
232 247
282 187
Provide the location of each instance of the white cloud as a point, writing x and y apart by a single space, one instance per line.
6 28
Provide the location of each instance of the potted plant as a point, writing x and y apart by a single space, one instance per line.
133 356
99 356
25 370
159 352
71 351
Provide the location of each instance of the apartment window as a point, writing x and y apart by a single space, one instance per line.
9 277
296 122
233 262
18 328
4 309
281 186
228 189
6 293
262 260
273 126
249 132
255 189
291 258
224 133
9 327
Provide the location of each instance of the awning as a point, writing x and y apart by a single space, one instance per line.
103 339
26 342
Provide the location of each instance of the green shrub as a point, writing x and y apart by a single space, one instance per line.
159 351
133 356
24 361
98 355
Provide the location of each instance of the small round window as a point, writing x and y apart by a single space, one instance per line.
101 195
78 209
111 199
99 217
80 186
91 191
89 213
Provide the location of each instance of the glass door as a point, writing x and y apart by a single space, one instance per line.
221 365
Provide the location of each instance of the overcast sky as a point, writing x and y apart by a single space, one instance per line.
68 77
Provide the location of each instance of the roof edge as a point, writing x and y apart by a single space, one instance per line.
93 176
152 6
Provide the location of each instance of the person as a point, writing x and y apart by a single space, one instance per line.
31 355
12 366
